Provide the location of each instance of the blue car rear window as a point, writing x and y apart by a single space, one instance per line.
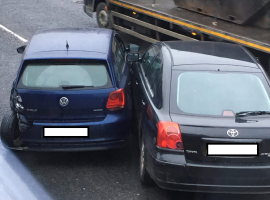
57 73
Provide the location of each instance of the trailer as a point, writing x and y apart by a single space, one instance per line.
245 22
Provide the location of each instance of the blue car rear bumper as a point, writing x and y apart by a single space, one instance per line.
91 146
112 132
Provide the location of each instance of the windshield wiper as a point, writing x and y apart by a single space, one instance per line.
74 86
251 113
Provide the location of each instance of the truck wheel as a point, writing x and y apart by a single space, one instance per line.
144 175
10 133
103 17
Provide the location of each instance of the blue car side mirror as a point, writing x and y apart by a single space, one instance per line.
133 57
21 49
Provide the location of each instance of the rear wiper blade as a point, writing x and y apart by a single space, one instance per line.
252 113
74 86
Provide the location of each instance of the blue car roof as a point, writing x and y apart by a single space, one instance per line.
82 42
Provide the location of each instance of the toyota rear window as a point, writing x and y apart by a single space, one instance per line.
54 74
212 93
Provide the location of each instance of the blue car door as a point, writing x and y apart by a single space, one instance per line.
122 69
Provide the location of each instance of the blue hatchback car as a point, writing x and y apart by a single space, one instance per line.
72 92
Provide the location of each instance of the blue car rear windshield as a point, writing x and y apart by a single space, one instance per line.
212 93
54 74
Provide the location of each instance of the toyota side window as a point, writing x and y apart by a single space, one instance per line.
154 70
149 57
156 88
154 79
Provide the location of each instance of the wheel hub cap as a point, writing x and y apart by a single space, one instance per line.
103 18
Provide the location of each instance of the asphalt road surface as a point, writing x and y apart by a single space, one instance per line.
82 175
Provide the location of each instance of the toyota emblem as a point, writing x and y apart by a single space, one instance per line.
232 133
63 101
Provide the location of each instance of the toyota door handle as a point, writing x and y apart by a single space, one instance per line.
143 102
136 82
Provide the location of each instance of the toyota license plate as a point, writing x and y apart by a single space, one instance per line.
232 149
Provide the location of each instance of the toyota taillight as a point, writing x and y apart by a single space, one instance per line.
116 100
169 135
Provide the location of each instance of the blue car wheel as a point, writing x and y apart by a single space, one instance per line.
10 134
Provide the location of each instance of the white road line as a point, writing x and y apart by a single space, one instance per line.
14 34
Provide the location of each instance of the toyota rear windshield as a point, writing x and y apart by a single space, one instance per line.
218 93
65 74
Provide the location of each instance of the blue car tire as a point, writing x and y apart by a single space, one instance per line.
10 134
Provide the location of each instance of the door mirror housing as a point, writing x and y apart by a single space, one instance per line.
21 49
133 48
133 57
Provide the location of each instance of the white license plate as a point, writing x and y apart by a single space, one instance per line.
232 149
65 132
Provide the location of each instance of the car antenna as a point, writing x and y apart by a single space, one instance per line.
67 46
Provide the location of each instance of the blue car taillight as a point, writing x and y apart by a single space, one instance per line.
116 100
